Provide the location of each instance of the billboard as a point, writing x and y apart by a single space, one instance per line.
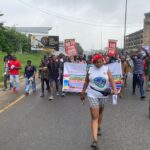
112 48
44 42
70 47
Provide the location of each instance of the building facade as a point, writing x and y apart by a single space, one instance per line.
139 38
146 31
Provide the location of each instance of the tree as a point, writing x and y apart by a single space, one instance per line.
80 49
11 40
1 23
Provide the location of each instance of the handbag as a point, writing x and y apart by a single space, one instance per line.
106 92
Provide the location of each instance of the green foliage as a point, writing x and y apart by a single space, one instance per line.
35 58
80 49
1 23
11 40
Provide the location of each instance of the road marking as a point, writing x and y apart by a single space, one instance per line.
11 104
16 101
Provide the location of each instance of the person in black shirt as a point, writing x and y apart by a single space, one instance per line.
44 76
29 75
8 56
54 72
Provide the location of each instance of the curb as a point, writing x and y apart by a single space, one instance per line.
1 83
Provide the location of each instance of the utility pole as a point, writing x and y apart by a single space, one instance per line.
125 24
101 41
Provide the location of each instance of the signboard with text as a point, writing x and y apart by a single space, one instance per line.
44 42
112 48
70 47
74 76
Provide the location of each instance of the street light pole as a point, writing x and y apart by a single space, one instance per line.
101 41
125 24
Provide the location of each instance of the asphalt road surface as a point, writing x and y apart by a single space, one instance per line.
34 123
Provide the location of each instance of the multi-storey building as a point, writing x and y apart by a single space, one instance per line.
139 38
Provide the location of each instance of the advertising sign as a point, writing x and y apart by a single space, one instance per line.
44 42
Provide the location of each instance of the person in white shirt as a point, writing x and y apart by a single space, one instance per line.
97 83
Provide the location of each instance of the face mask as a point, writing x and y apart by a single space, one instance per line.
61 60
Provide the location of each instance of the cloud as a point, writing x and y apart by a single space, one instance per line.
84 20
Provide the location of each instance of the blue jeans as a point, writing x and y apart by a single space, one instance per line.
138 79
27 85
14 81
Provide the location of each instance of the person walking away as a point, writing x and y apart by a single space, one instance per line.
97 80
29 75
138 71
44 76
14 67
6 74
54 76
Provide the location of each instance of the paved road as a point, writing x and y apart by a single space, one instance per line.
35 123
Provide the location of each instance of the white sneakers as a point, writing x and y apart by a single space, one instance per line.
51 98
57 93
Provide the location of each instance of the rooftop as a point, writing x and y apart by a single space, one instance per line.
137 32
147 14
33 29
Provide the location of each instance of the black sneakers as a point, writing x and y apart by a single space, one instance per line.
143 97
95 145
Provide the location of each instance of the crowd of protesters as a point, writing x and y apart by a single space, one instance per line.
51 68
50 74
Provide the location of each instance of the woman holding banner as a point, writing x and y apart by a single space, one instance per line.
97 80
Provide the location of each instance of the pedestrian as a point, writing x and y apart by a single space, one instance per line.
29 75
97 80
138 71
147 72
14 67
8 56
125 70
54 76
6 73
81 60
44 76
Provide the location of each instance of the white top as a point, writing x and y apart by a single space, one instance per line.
98 80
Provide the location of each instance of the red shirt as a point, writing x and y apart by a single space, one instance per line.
13 67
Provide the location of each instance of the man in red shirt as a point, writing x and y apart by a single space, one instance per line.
14 66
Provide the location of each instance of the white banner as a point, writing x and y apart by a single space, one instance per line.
74 76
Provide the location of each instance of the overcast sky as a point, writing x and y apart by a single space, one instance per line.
90 22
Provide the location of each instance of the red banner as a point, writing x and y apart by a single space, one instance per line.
70 47
112 48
